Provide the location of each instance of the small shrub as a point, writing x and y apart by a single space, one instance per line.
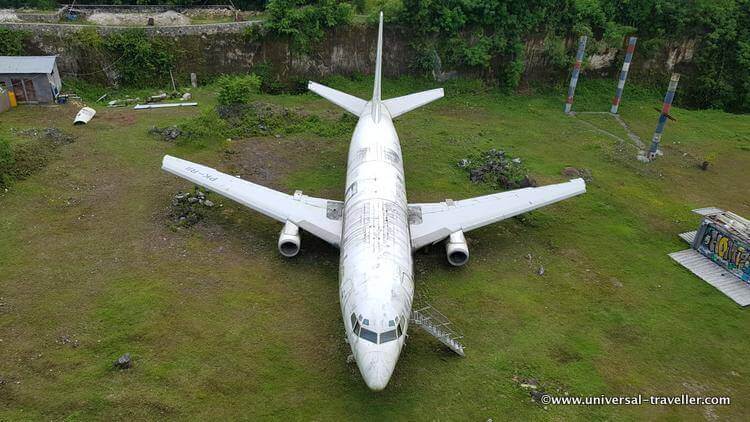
237 89
208 126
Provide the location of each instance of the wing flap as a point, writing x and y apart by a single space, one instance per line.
439 220
309 213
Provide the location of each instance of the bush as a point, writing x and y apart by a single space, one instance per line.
237 89
139 59
304 21
11 42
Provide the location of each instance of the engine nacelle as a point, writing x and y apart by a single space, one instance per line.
289 240
456 249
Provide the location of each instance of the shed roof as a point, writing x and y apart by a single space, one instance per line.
27 64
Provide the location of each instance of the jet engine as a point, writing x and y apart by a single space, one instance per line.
456 249
289 240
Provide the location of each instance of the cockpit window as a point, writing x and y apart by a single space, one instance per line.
368 335
360 331
388 336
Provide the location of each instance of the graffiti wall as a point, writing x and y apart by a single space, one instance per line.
727 251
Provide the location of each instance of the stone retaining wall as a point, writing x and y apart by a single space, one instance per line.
63 29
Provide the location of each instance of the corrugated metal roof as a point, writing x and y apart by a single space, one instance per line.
27 64
715 275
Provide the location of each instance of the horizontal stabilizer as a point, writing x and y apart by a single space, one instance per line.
400 105
348 102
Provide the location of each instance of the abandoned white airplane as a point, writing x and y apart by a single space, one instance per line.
374 227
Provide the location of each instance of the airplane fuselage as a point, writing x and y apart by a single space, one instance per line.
376 272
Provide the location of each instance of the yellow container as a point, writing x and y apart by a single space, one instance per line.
12 98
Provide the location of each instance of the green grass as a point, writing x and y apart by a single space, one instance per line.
221 327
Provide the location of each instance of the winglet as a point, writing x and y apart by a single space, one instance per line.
378 73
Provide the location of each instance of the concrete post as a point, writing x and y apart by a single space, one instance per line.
576 72
654 150
623 75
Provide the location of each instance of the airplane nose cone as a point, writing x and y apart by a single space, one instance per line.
376 368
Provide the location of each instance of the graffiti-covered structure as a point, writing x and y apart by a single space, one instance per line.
33 79
725 239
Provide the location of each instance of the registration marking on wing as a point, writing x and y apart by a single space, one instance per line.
207 176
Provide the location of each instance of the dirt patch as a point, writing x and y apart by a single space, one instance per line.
124 119
267 161
168 18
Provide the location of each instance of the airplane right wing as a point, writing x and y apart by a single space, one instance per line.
433 222
318 216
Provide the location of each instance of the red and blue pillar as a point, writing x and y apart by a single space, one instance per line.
576 73
654 150
623 75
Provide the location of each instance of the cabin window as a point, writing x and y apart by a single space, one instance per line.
366 321
391 323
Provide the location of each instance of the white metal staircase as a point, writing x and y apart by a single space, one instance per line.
438 325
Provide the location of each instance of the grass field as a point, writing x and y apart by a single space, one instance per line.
220 326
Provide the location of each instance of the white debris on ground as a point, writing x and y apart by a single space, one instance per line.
168 18
8 15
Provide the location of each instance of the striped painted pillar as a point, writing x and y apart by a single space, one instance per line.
576 72
654 150
623 75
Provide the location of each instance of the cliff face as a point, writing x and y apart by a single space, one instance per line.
222 48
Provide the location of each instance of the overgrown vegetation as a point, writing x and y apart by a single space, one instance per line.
139 59
304 22
488 36
11 42
259 119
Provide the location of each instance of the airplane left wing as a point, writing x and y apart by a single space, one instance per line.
317 216
431 223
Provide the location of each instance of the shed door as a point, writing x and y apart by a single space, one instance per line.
30 91
18 90
24 90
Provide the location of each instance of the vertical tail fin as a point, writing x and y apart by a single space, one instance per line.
378 73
